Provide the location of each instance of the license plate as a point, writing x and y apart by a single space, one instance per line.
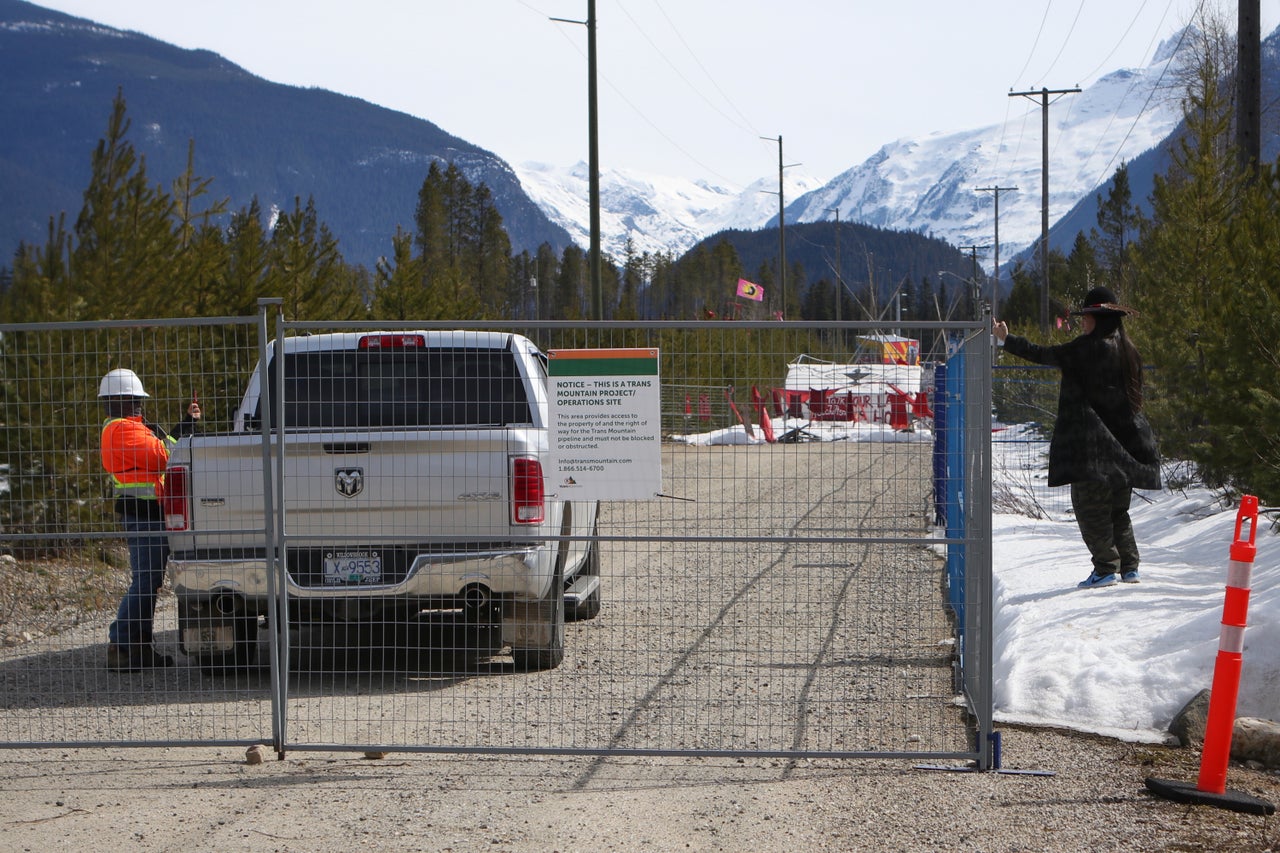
352 567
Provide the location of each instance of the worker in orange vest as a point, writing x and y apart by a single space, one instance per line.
135 453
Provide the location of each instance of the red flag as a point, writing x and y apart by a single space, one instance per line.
750 290
704 408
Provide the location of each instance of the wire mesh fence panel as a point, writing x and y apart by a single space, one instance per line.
65 562
771 595
1025 402
377 539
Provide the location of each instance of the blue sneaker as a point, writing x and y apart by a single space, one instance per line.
1096 580
1130 576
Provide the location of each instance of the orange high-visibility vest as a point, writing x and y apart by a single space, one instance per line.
134 458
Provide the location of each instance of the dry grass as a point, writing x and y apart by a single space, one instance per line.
44 596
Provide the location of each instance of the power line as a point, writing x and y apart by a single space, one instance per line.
1065 39
1133 21
1036 43
707 168
680 73
712 80
1151 94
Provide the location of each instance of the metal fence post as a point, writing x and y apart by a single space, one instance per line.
955 482
978 546
278 639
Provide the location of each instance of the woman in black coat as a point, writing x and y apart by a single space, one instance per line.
1102 444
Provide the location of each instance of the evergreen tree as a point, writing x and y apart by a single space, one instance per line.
688 300
1246 446
464 249
632 282
923 303
42 287
663 288
202 249
569 299
1117 223
819 301
1080 273
722 282
1022 309
1186 280
398 290
431 221
307 270
125 241
244 280
547 266
489 252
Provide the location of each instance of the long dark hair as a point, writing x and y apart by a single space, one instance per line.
1106 325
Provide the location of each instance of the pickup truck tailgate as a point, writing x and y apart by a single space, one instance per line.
377 486
372 487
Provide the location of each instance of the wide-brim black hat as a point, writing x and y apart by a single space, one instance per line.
1100 300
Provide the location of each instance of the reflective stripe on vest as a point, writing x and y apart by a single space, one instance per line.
138 491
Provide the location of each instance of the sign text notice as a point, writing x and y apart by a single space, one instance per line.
606 419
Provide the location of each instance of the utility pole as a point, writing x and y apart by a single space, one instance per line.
839 280
977 287
1248 87
1044 94
995 284
782 229
593 162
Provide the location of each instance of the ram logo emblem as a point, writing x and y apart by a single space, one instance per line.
349 481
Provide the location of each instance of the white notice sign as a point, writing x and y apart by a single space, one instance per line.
606 424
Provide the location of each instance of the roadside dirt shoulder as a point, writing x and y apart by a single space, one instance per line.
1091 797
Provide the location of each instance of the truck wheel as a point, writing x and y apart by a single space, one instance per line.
551 609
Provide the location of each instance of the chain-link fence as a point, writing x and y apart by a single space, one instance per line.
407 538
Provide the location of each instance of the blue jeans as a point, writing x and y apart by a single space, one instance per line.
148 554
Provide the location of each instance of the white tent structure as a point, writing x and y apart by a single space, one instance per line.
882 384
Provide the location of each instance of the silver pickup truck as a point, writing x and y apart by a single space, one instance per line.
412 481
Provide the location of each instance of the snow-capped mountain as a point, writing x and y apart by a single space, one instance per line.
658 214
925 185
932 185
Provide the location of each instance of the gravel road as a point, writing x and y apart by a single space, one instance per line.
791 643
202 799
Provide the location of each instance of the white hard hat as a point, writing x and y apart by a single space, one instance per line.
121 382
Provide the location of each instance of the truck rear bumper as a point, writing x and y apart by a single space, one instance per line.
523 573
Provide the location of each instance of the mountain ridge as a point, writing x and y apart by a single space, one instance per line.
59 75
930 185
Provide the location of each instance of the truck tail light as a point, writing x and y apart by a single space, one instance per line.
527 496
176 502
392 341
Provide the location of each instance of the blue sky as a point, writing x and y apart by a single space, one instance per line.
686 88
